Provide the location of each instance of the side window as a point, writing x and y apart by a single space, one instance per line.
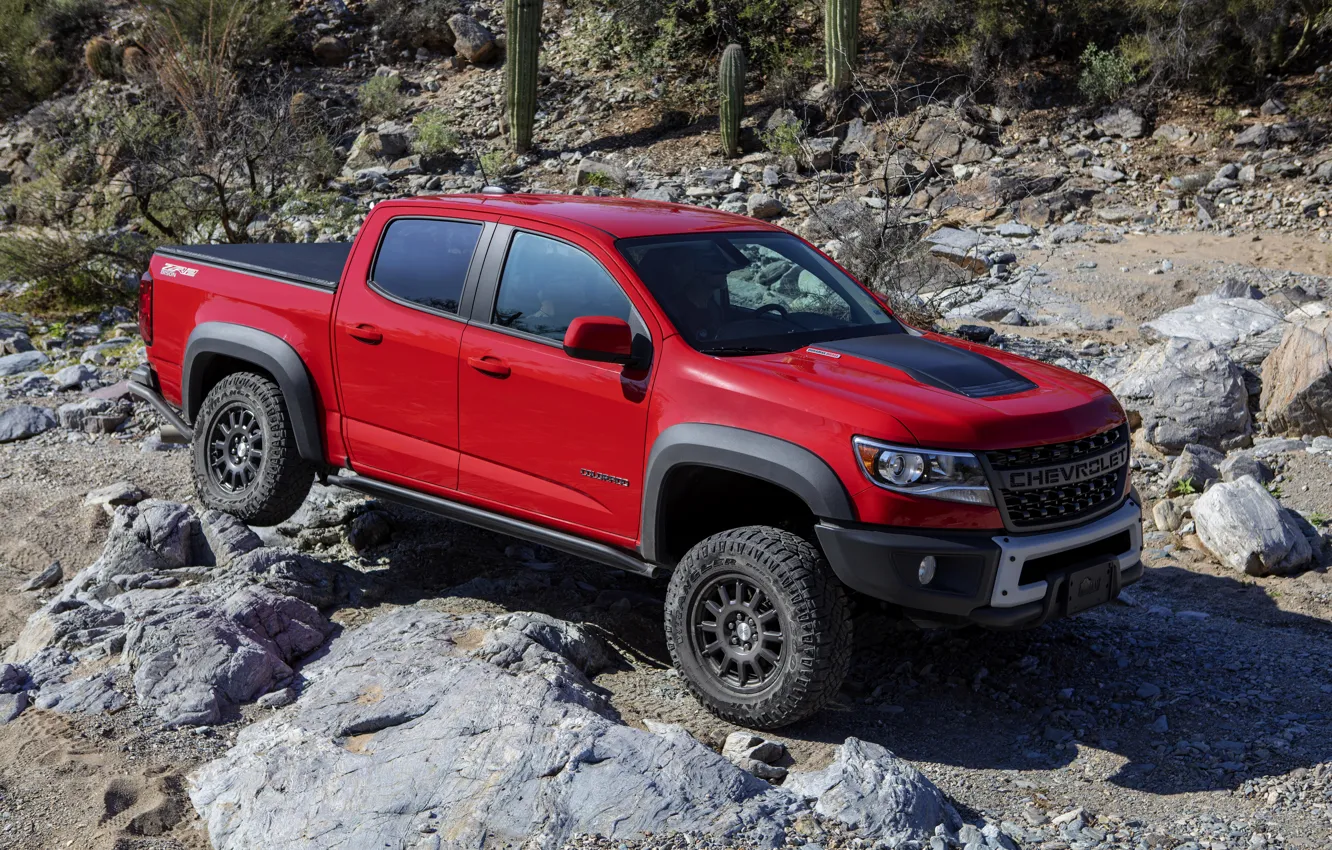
547 284
425 261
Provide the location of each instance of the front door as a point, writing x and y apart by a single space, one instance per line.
396 336
542 433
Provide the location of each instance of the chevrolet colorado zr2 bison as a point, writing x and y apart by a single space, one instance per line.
653 387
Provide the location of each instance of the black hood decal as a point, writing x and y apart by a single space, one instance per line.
936 364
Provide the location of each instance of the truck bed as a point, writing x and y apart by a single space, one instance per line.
313 263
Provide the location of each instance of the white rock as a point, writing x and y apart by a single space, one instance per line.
1244 527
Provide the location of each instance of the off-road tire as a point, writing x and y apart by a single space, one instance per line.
813 612
283 477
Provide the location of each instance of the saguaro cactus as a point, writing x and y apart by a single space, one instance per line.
841 29
523 18
732 88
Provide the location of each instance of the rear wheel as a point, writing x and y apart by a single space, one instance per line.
758 627
245 457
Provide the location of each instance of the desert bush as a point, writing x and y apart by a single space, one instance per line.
435 135
102 56
235 31
39 40
417 23
381 97
1106 74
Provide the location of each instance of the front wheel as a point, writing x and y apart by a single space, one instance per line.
245 457
757 626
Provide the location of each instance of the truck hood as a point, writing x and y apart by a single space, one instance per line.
950 394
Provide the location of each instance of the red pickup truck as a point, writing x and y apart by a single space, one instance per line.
655 387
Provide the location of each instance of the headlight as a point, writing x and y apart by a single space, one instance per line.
955 476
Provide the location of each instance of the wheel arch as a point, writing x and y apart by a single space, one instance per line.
760 457
223 344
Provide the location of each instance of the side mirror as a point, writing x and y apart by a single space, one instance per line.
604 339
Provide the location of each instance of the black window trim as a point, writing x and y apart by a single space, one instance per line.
487 291
470 279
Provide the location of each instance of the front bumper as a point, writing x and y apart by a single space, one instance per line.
997 580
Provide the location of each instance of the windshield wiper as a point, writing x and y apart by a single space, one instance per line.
732 350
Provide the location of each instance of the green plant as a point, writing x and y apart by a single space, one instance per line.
784 140
39 40
381 97
238 31
434 134
1317 519
1226 116
520 69
1183 487
102 56
494 164
1106 74
732 88
841 28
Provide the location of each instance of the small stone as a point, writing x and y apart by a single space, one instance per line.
72 377
114 495
277 699
48 577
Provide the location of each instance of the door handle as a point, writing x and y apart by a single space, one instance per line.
490 365
366 333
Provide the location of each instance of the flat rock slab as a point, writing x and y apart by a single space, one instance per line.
429 729
23 421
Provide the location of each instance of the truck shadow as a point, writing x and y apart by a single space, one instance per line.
1203 683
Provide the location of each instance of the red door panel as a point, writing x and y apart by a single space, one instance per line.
545 433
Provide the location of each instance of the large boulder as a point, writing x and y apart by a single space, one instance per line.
1123 123
1297 380
487 732
868 788
1244 527
198 616
1226 323
473 41
23 421
1186 391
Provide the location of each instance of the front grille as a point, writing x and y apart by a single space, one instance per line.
1062 504
1033 456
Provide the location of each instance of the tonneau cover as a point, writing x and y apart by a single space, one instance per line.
313 263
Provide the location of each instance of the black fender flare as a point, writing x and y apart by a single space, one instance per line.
767 458
270 353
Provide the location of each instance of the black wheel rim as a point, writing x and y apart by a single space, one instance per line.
737 633
236 447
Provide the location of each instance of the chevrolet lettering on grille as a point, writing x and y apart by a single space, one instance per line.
1066 473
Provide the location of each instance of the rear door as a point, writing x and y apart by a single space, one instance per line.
541 433
397 334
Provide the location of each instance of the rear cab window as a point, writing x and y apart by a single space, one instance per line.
423 261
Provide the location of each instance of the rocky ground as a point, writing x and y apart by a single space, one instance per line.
1191 714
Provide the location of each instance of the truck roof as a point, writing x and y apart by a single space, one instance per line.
622 218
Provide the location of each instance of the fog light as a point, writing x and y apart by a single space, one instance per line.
926 571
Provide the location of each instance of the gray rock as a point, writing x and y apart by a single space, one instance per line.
1244 527
1255 136
192 651
472 39
593 170
12 323
504 744
740 745
72 377
112 496
48 577
1186 391
763 206
1297 380
25 361
1123 123
12 705
331 50
1240 464
1223 322
1106 175
869 789
1015 230
12 678
1168 515
94 415
1195 468
23 421
667 193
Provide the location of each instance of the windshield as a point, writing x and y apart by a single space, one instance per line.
753 292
